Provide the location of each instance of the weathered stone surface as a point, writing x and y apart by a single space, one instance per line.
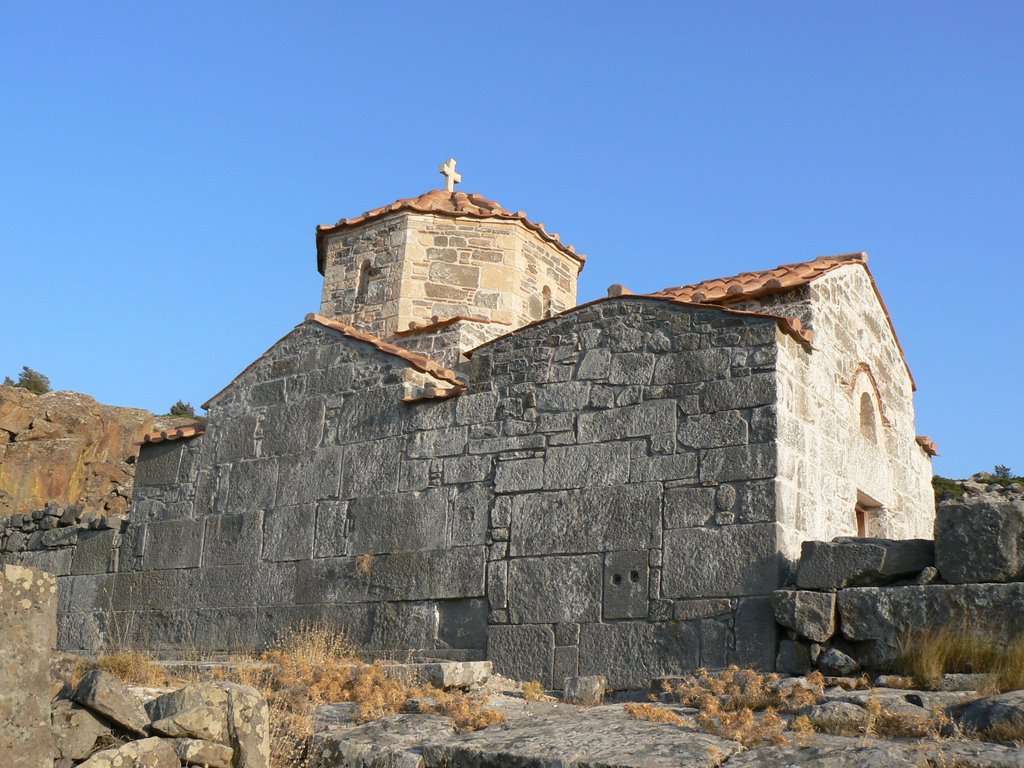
28 628
554 589
980 540
852 562
66 448
794 658
105 694
810 614
1005 710
838 718
153 752
76 730
248 726
834 752
721 562
755 634
204 753
585 691
522 652
835 662
883 616
626 585
198 722
630 654
453 674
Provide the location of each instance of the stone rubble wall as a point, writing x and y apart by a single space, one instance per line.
863 598
424 267
28 608
600 501
448 345
825 458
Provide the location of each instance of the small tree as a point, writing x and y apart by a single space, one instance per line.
1002 470
9 382
183 409
31 380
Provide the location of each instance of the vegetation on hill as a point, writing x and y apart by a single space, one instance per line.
182 409
31 380
1001 475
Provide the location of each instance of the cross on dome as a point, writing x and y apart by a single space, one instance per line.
451 178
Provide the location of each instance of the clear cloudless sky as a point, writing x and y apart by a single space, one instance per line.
163 165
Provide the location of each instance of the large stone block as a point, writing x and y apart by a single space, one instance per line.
462 623
438 575
174 544
980 540
293 428
689 507
28 631
94 552
587 520
630 654
692 366
644 419
546 590
738 462
586 466
514 475
249 584
626 585
856 562
522 651
252 485
734 394
755 633
233 539
158 463
810 614
714 430
288 532
310 477
721 562
400 522
882 618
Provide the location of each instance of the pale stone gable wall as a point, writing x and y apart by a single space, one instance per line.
825 457
423 267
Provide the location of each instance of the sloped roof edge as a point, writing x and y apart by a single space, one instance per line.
443 203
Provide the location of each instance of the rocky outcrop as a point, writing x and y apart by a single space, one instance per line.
65 448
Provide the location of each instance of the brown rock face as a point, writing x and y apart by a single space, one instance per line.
66 448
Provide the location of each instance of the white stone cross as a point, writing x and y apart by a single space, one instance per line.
451 178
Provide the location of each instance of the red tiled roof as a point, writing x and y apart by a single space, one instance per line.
438 324
443 203
181 433
927 445
752 285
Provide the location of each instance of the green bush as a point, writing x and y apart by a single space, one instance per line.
31 380
183 409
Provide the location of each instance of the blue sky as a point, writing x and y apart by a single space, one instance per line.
162 168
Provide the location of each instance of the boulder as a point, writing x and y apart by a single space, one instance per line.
809 614
839 718
75 730
248 726
585 691
835 662
855 562
980 540
1004 711
146 753
104 694
203 722
204 753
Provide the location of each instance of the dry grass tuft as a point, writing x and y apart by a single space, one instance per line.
130 666
1005 731
890 725
534 691
655 714
927 655
468 712
364 567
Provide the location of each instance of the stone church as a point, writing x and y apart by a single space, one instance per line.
455 460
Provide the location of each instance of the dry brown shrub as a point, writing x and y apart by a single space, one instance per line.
657 715
468 712
745 726
1005 731
364 567
802 726
132 667
900 681
734 688
534 691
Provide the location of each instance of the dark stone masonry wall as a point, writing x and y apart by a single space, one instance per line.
600 501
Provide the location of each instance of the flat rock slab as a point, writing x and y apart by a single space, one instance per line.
856 562
106 695
833 752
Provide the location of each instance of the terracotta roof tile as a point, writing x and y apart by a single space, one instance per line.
441 202
438 324
181 433
927 445
752 285
419 362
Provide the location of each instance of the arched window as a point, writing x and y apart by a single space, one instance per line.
364 281
546 301
867 418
